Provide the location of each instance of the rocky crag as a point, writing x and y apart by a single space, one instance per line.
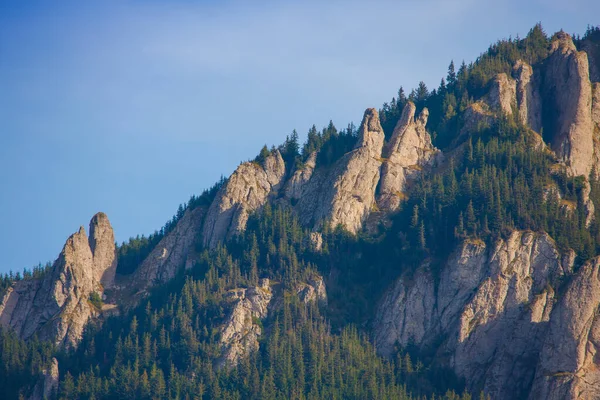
57 306
248 307
408 152
495 318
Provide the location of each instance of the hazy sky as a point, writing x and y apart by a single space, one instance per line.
129 107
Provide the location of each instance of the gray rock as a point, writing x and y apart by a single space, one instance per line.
294 188
568 361
502 96
102 245
409 151
344 193
57 307
487 315
567 94
240 332
246 191
170 254
528 96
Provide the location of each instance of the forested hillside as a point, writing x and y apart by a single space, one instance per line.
251 291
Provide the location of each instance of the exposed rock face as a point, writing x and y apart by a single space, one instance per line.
313 290
47 384
408 152
316 241
487 316
239 334
477 116
567 95
295 186
246 190
56 307
345 193
568 366
170 254
528 96
502 96
102 245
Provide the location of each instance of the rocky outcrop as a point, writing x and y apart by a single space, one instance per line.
313 291
296 184
529 103
240 332
246 190
344 194
568 366
486 314
567 94
170 254
47 384
408 152
502 96
56 307
102 245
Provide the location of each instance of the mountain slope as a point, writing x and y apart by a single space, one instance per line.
461 242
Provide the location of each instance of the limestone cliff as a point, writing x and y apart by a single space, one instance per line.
568 365
486 314
240 332
567 105
248 306
170 254
344 193
529 103
56 307
408 152
246 190
294 188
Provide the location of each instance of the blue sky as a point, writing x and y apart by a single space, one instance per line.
129 107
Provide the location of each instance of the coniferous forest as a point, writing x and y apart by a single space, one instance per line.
491 182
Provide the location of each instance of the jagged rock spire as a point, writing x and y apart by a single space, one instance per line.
408 152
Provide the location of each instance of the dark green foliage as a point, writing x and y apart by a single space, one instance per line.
447 102
492 182
330 144
21 363
165 348
96 300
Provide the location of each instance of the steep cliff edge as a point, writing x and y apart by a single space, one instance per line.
408 152
485 314
569 366
344 193
57 306
246 190
567 105
171 253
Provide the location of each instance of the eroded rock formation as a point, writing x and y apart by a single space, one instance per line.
568 366
171 253
488 314
408 152
529 103
296 184
57 306
567 106
344 194
240 332
246 190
